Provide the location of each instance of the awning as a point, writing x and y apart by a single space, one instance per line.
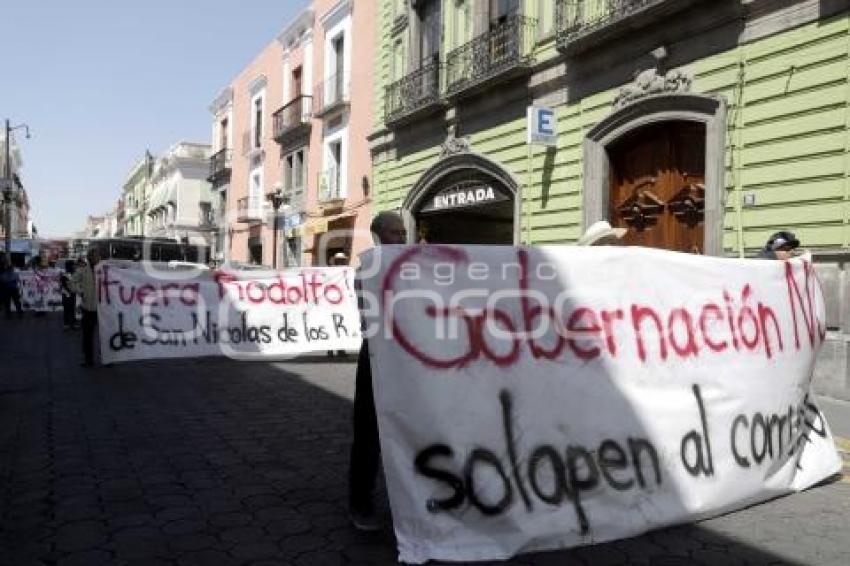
316 226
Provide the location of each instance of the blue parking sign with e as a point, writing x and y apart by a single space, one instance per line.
542 126
546 121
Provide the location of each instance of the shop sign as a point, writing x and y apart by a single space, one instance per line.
462 196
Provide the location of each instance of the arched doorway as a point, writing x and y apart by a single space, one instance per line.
463 199
656 167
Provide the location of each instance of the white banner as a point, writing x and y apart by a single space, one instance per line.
540 398
40 290
145 312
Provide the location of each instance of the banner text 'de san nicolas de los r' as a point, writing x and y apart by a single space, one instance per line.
541 398
146 313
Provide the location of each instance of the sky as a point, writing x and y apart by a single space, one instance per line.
100 81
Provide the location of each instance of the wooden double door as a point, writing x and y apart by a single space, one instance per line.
657 186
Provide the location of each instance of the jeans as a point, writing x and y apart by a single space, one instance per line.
69 307
89 332
365 448
10 297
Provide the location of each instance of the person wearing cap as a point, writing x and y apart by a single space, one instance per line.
780 246
601 233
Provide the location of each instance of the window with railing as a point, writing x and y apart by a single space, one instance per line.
249 208
220 163
417 90
295 113
330 184
333 91
507 45
579 19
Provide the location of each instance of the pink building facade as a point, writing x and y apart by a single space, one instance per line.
291 130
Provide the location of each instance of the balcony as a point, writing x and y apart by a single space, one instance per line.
330 187
220 166
503 52
415 95
293 119
583 24
249 209
332 94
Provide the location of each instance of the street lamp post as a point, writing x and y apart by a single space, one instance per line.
277 199
7 189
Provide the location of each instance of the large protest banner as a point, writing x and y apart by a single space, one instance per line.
145 311
540 398
40 289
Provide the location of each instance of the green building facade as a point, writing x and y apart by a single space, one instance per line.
778 75
699 125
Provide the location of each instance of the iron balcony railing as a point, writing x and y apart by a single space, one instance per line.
249 209
330 184
505 47
220 166
293 116
333 92
417 91
579 20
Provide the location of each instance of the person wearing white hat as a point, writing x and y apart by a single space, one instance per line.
339 258
601 233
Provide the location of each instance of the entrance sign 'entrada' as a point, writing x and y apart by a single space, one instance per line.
540 398
172 314
463 195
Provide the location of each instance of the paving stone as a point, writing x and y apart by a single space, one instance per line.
89 558
184 527
225 520
242 534
193 542
80 535
255 550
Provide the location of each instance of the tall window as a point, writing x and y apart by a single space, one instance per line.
294 171
256 190
545 17
462 22
296 82
397 70
430 31
337 80
224 141
501 10
258 122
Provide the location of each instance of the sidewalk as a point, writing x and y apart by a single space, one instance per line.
218 462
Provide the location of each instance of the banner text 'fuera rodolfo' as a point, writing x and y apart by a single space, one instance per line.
541 398
145 311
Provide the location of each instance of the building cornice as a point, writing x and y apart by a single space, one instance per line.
257 84
301 27
335 14
224 98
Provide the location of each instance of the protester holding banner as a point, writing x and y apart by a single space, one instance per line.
387 228
10 289
69 297
84 282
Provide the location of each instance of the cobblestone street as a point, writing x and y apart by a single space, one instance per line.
217 462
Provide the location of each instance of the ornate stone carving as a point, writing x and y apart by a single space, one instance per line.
454 145
650 82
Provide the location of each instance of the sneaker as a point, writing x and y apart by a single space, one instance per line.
364 520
